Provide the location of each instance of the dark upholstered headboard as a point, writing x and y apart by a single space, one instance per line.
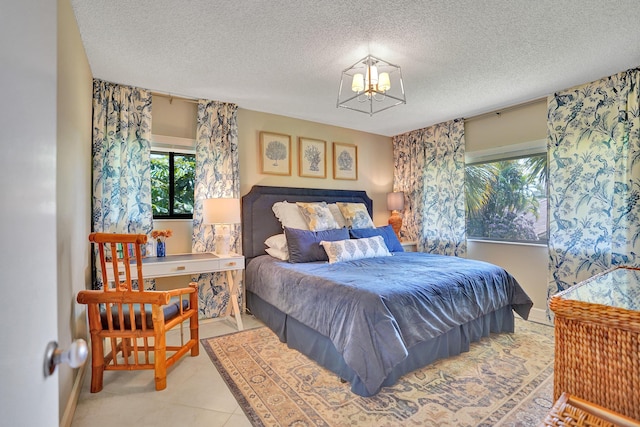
259 222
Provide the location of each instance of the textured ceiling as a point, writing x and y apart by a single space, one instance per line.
458 58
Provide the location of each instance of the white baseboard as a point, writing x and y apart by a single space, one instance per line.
539 315
72 403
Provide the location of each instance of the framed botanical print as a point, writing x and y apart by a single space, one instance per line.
275 153
312 158
345 161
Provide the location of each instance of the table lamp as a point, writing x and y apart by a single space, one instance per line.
222 213
395 203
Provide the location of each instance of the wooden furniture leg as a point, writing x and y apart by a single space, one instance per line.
233 306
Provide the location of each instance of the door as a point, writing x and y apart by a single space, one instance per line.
28 301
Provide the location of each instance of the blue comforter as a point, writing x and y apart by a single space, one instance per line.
375 309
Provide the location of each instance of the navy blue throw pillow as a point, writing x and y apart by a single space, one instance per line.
387 233
304 245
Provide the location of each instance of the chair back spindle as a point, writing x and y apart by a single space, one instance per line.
134 321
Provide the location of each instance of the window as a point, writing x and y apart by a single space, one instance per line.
172 184
507 199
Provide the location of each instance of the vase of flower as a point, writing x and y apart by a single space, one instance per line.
161 248
160 237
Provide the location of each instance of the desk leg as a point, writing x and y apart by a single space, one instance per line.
233 306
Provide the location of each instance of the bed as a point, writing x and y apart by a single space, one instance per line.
406 311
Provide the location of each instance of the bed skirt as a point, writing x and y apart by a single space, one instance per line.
320 348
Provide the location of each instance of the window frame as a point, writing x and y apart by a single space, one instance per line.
517 151
172 152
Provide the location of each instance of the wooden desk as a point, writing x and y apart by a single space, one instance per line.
195 263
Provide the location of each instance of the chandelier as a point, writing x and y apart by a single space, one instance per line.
375 85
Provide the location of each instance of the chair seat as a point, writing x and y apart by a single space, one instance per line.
170 310
133 341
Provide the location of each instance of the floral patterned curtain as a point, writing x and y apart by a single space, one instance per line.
217 175
429 168
121 156
594 178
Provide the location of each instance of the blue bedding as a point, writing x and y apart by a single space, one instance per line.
374 310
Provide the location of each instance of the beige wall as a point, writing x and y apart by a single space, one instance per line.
527 263
375 157
375 171
375 160
73 194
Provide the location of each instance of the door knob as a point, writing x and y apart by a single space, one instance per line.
75 356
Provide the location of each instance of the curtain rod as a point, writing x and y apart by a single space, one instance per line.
505 109
172 97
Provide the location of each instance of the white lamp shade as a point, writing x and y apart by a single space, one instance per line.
395 201
384 84
221 211
357 85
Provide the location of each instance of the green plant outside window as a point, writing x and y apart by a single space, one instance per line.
506 200
172 184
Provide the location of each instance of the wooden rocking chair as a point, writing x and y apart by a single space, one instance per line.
135 321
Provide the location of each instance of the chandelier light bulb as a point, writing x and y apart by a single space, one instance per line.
384 83
357 84
372 75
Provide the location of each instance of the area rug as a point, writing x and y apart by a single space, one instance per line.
505 379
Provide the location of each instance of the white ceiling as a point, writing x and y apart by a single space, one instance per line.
458 58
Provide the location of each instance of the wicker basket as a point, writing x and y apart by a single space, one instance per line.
571 411
597 352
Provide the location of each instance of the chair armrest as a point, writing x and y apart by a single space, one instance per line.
193 287
123 297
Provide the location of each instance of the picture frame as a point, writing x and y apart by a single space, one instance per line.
275 153
312 157
345 161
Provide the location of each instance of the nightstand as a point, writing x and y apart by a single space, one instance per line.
409 246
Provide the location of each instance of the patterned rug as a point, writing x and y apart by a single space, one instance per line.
505 380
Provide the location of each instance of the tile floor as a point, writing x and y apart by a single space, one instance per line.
196 395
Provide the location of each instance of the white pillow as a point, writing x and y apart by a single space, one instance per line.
352 249
355 215
277 253
289 215
278 241
337 215
317 216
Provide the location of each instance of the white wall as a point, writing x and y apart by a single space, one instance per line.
527 263
73 196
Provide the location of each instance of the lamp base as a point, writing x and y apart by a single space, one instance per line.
222 238
395 220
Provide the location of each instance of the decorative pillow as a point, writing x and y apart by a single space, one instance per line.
277 247
278 253
289 215
387 233
337 215
355 215
278 241
317 216
349 250
304 245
